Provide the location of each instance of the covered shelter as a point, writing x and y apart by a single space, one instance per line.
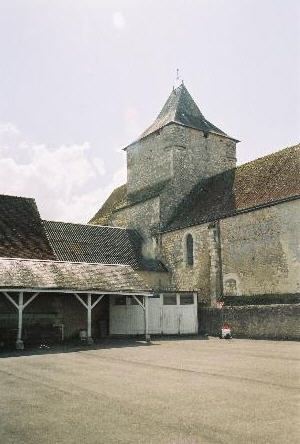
22 281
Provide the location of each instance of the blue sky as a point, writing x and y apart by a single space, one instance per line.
80 79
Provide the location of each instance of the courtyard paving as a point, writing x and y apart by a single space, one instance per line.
172 391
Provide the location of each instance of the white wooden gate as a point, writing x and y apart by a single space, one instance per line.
169 313
179 313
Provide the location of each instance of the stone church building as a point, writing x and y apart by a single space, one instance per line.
222 230
190 241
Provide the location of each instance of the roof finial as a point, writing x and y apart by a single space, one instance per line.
178 80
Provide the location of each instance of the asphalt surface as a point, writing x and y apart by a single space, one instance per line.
172 391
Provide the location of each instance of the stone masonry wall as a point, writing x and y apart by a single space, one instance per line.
173 254
261 251
148 162
259 254
196 157
253 321
180 154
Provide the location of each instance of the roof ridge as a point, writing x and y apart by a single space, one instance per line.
87 224
63 262
17 197
297 146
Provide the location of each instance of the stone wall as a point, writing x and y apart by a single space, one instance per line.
260 251
197 158
157 280
172 253
253 321
259 254
180 154
148 162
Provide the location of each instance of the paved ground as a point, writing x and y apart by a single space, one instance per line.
173 391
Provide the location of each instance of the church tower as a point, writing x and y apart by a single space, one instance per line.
169 158
179 149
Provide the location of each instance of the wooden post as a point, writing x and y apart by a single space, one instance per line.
89 307
146 313
89 319
19 341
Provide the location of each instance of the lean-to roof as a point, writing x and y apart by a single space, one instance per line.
98 244
54 275
262 182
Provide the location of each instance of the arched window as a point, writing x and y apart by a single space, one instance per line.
189 250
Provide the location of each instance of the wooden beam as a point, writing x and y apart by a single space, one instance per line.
98 300
73 291
19 342
139 302
89 318
30 299
89 307
80 300
11 299
146 313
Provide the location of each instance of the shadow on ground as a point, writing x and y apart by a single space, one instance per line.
72 347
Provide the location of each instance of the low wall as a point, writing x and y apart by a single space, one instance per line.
280 321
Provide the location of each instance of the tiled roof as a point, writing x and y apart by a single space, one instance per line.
21 230
120 199
117 198
98 244
37 274
264 181
181 108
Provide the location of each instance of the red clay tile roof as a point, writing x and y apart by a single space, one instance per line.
264 181
21 230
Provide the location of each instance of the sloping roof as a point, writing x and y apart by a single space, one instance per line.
181 108
264 181
36 274
98 244
119 199
21 230
116 199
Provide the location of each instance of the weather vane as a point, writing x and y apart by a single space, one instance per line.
178 79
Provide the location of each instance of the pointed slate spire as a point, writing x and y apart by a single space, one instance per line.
181 108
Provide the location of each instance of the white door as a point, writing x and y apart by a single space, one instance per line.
170 314
188 319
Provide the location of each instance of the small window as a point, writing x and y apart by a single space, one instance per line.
170 299
120 300
186 299
189 250
133 301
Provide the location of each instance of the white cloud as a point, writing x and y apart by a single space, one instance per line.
8 128
64 180
119 20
